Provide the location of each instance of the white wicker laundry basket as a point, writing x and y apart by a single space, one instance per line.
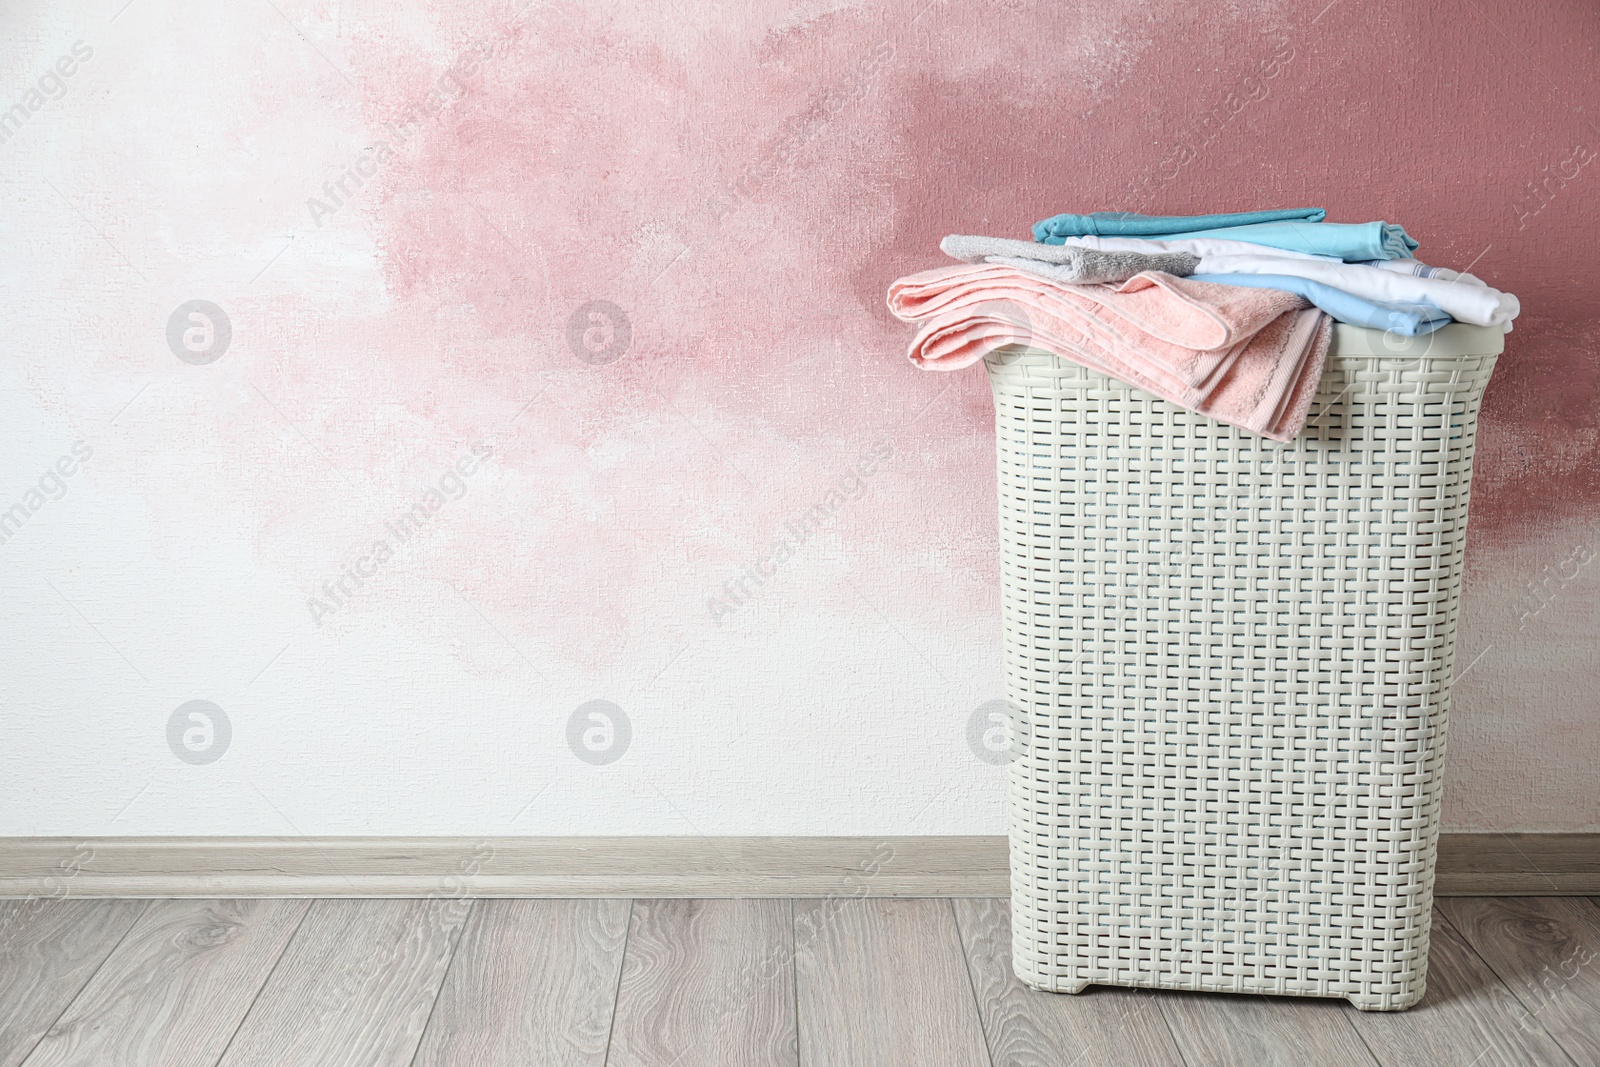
1228 662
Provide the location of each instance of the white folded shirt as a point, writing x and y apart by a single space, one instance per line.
1462 297
1461 300
1422 270
1199 246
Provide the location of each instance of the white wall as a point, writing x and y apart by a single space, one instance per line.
429 318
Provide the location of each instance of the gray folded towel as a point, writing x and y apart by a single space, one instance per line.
1065 263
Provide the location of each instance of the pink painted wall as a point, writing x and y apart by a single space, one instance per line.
781 164
742 181
745 185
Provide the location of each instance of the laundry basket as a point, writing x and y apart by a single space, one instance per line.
1228 662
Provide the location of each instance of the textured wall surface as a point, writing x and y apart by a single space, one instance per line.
541 361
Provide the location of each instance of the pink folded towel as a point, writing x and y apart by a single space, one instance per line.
1248 357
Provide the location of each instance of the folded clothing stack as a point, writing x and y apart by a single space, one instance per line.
1227 315
1360 273
1248 357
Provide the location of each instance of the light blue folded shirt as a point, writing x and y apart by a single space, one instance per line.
1349 241
1407 320
1128 224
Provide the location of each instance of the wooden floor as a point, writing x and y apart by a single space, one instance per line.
746 983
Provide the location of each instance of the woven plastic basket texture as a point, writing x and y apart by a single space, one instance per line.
1228 662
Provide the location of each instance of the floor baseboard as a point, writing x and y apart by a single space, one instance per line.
1469 865
1518 865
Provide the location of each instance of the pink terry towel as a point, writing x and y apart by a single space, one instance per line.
1249 357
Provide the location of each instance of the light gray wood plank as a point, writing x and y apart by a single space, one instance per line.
513 867
355 986
175 988
1027 1028
49 949
706 982
884 982
1227 1030
532 982
1547 952
1467 1017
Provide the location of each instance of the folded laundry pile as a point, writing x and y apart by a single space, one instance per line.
1227 315
1249 357
1364 273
